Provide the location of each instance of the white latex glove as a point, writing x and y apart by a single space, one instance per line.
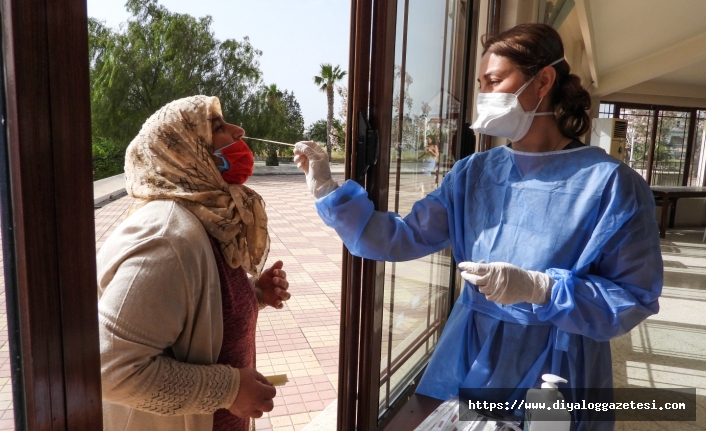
311 159
505 283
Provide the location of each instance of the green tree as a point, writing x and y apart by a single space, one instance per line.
327 78
276 115
274 111
160 56
317 132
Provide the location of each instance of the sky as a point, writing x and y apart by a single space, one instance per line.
295 37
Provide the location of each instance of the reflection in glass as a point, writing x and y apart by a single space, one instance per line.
427 91
6 406
7 416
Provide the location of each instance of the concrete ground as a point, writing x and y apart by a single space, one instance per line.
667 350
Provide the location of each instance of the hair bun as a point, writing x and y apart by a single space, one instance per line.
572 102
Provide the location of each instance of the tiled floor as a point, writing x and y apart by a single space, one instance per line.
668 350
302 339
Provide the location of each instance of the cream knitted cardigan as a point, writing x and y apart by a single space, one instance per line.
161 324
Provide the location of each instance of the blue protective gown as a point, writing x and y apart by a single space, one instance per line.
578 215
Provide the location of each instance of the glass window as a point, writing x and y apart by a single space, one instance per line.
639 135
670 148
657 142
605 110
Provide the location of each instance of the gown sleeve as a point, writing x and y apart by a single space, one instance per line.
618 279
386 236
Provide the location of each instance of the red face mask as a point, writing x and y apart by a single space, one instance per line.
238 162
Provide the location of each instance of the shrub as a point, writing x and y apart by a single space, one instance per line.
108 158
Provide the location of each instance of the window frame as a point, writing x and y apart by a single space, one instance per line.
691 138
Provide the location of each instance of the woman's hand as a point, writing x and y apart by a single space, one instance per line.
254 396
505 283
273 286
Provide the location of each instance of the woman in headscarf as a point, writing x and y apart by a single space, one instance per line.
180 281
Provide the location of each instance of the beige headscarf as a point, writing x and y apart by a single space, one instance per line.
171 159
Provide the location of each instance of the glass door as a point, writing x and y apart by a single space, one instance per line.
425 110
413 86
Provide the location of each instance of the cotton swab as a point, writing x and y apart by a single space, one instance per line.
266 140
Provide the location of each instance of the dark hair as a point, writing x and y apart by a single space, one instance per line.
531 47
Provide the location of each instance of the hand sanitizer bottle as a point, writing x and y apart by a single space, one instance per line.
548 412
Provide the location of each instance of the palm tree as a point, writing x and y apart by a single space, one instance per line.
273 93
328 76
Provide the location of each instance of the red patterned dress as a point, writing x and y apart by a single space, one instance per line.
240 309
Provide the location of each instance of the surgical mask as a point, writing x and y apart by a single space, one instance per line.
500 114
238 162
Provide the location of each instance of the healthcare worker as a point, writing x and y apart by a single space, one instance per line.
557 240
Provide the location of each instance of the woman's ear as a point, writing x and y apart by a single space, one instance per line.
545 79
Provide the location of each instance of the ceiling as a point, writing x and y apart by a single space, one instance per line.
642 46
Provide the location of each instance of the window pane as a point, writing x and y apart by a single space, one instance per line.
670 133
605 110
426 105
670 148
698 155
6 412
639 134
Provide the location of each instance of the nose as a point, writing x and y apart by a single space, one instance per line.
238 132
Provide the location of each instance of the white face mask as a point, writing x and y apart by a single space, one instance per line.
500 114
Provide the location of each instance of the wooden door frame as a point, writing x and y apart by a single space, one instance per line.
350 331
382 66
370 86
51 288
